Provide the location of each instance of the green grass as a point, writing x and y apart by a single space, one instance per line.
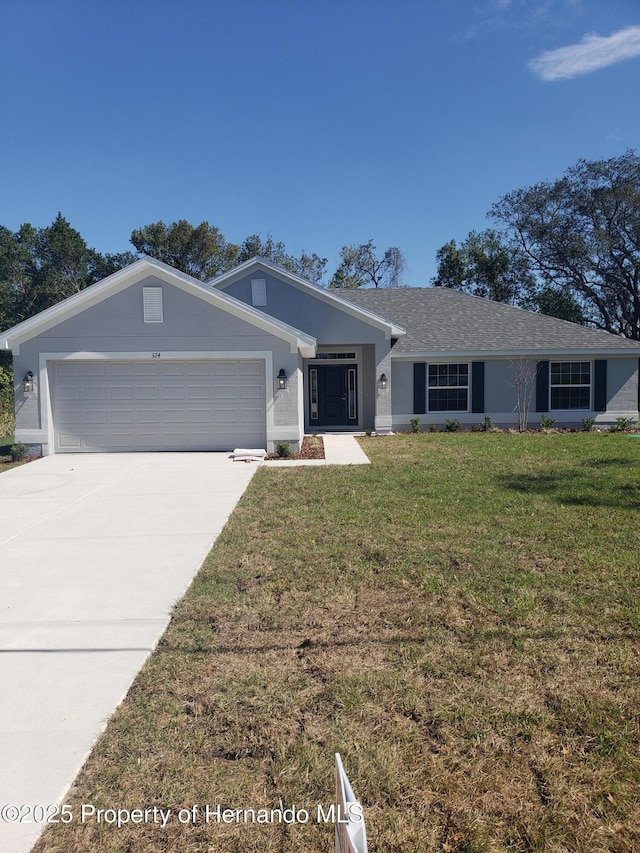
460 620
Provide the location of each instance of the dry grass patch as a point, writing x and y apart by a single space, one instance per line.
460 620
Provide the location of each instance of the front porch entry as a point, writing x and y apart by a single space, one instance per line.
333 395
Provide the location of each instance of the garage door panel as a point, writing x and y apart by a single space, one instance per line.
66 368
94 392
96 417
69 418
145 368
68 441
120 417
250 368
159 405
121 392
69 393
172 416
119 368
93 369
172 392
251 392
147 392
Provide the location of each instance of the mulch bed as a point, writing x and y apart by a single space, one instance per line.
312 448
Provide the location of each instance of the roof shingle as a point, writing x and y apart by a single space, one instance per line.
439 320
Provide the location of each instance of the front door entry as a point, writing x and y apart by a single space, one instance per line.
334 395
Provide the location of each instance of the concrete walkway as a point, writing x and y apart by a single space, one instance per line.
94 551
339 449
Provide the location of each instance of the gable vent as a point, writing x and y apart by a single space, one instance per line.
152 304
258 291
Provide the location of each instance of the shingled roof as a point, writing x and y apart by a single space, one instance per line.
443 321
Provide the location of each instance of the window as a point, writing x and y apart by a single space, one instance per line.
332 355
313 376
352 398
258 291
570 384
152 304
448 386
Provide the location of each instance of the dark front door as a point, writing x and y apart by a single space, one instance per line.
336 390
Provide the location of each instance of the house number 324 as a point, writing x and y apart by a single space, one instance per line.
155 355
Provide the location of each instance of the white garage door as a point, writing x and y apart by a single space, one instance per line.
157 405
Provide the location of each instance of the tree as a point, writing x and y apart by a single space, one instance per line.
255 247
360 266
523 378
581 235
200 251
41 266
485 265
312 267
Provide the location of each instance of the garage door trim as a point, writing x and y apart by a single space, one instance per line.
48 438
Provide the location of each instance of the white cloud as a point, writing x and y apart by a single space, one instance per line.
590 54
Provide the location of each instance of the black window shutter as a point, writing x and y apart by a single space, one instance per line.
477 386
419 388
600 385
542 387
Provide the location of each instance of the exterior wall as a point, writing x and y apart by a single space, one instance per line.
622 386
327 323
190 326
383 418
500 395
369 394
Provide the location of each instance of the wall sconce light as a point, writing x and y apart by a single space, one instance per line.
28 381
384 382
282 380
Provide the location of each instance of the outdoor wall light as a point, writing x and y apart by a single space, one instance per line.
282 380
28 381
384 382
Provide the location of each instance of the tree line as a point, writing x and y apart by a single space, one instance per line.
569 248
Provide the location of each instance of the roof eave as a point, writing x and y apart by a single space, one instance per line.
519 353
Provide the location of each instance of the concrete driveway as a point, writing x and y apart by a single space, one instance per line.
94 551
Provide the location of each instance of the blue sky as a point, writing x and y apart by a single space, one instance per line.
322 122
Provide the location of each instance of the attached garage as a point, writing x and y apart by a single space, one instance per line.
157 404
153 359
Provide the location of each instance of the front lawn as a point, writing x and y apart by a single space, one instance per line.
460 620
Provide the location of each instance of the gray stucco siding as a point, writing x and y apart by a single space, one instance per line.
329 324
499 390
622 384
187 322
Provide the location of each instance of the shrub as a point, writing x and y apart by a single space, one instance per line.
415 424
621 425
433 428
452 426
546 422
368 432
487 424
283 449
7 419
18 452
588 424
